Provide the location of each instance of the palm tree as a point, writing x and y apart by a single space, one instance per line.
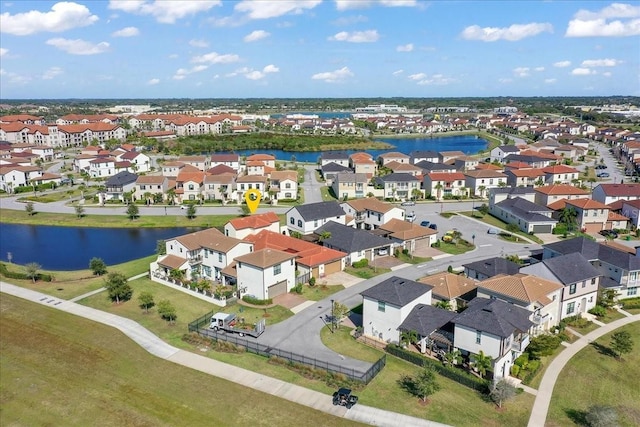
482 363
408 337
568 217
482 188
438 191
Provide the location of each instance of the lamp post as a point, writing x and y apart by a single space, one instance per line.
332 319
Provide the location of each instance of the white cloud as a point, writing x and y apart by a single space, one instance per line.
361 4
350 20
126 32
254 75
356 36
600 62
164 11
153 82
215 58
604 22
397 72
550 81
198 43
405 48
418 76
62 16
14 78
539 69
607 74
521 71
334 76
505 80
184 72
256 35
274 8
270 69
436 80
513 33
3 51
582 71
51 73
78 46
562 64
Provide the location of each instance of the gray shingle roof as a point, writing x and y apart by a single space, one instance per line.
571 268
348 239
431 166
424 154
426 319
313 211
397 177
121 178
587 247
334 167
526 210
335 155
495 317
509 149
397 291
493 266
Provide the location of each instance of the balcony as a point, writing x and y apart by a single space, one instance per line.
520 342
195 260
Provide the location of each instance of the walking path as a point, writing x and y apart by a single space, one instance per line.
157 347
543 398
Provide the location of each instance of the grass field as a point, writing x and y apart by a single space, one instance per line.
454 404
58 369
594 377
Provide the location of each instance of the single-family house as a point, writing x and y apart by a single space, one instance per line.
445 156
349 185
631 210
370 213
386 305
528 216
140 162
479 181
525 177
357 244
117 185
330 170
444 184
454 289
242 227
560 174
549 194
579 278
219 187
265 273
404 168
501 152
250 182
283 185
591 216
420 155
305 219
230 159
429 167
102 167
393 156
202 163
12 176
267 159
499 329
399 186
540 296
151 187
408 236
490 267
337 157
363 163
609 193
189 185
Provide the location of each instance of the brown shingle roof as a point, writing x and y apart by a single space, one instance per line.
265 258
449 285
523 287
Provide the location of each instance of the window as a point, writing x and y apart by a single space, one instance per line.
381 306
632 291
584 284
292 221
277 269
478 337
299 223
571 307
287 185
219 257
191 187
572 288
593 281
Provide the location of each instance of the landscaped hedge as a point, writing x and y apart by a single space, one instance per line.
455 374
630 303
360 264
255 301
21 276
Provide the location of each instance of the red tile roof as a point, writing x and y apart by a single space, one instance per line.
255 221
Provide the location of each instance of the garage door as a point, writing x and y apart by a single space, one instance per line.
423 243
593 227
333 267
277 289
540 228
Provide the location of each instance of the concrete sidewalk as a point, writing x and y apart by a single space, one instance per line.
543 398
275 387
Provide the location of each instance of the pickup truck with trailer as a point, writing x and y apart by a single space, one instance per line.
227 322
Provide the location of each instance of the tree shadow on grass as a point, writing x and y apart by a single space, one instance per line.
578 417
605 351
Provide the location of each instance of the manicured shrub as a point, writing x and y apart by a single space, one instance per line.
543 345
255 301
598 311
361 264
312 281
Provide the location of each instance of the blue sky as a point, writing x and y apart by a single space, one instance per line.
318 48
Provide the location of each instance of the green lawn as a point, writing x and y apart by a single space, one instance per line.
411 259
497 223
594 377
366 272
70 284
454 249
611 316
454 404
327 194
58 369
319 292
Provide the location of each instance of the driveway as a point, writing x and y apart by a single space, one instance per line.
386 262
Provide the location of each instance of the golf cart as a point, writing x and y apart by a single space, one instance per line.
343 397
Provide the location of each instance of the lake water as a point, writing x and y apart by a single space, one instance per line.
71 248
469 144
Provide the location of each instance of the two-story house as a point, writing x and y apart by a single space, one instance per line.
591 216
250 182
148 186
283 185
305 219
363 163
357 244
609 193
399 186
349 185
549 194
370 213
479 181
560 174
386 305
230 159
454 289
330 170
201 163
393 156
219 187
579 278
337 157
441 184
265 273
525 177
422 155
244 226
117 185
501 152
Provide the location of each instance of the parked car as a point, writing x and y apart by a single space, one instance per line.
425 223
408 203
344 397
603 175
411 217
601 167
493 231
609 233
383 251
433 226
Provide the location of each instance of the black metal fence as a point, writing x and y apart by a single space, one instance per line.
201 327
